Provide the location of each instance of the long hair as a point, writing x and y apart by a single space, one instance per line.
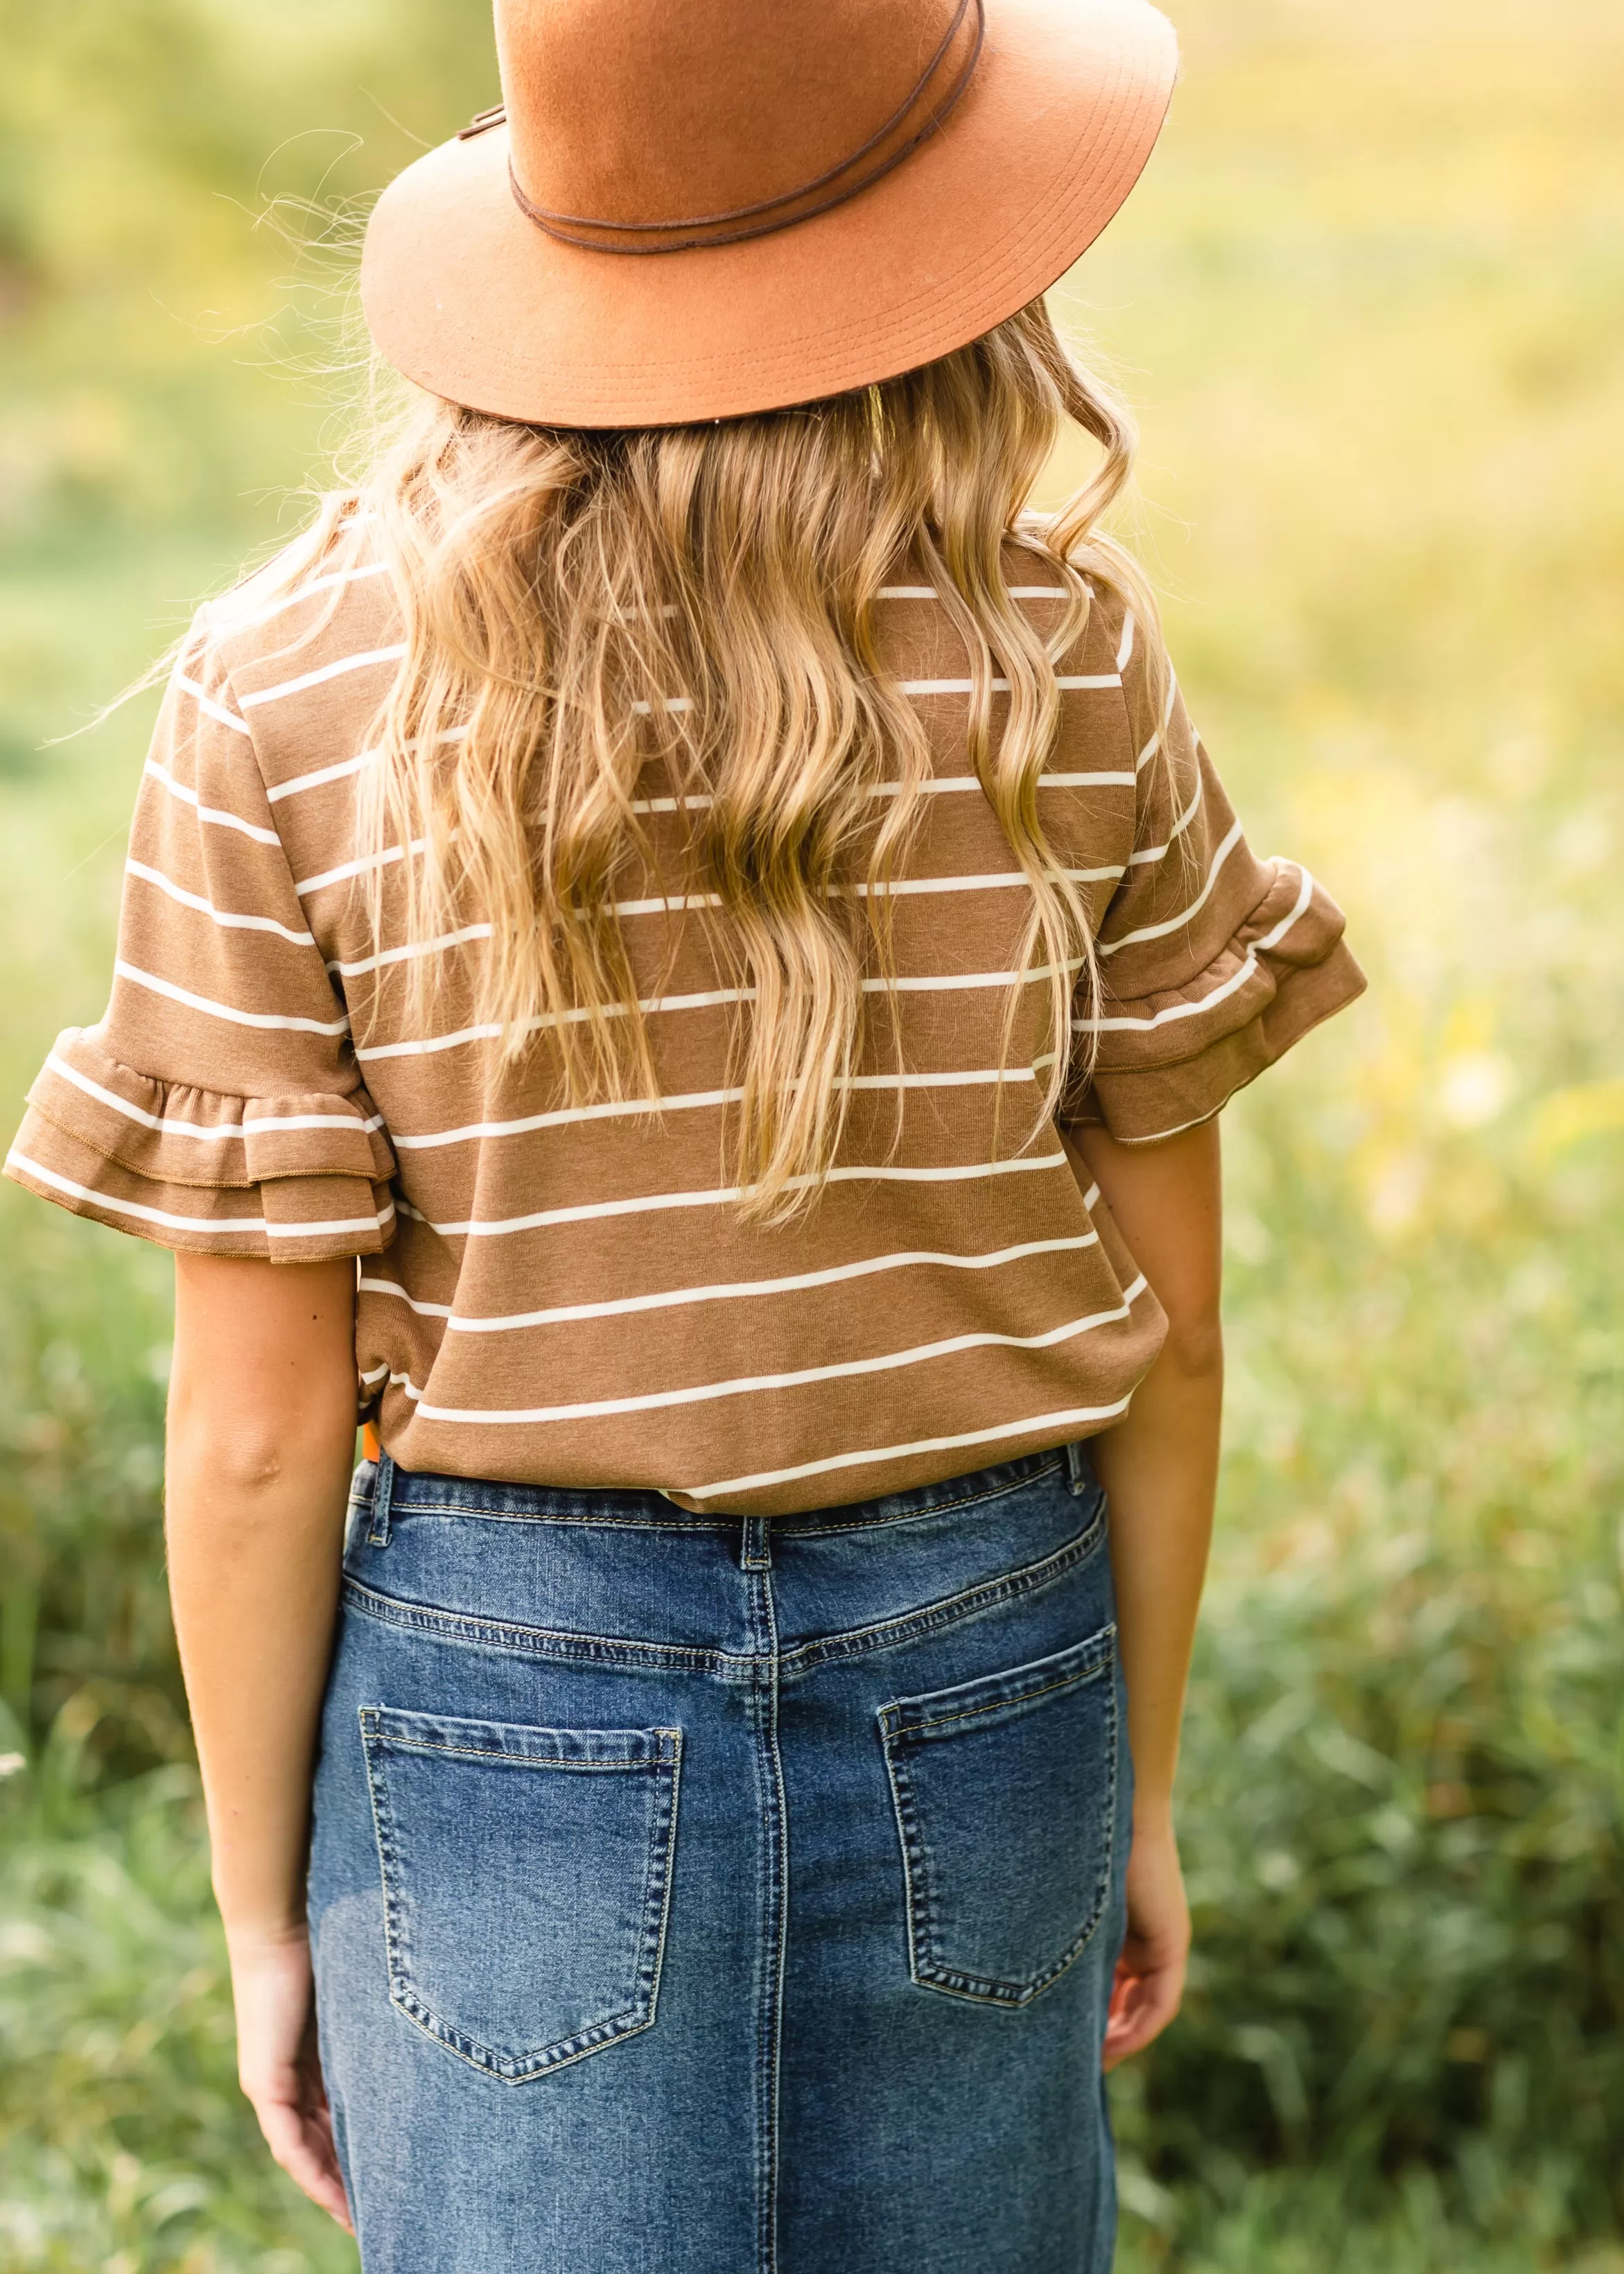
588 611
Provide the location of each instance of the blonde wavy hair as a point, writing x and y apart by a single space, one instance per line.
585 611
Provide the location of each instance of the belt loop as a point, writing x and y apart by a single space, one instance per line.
1079 1466
383 1493
755 1548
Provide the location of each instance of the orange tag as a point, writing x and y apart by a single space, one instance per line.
370 1446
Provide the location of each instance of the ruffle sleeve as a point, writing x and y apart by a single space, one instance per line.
217 1106
296 1178
1173 1055
1211 962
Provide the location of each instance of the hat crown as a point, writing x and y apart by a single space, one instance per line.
640 114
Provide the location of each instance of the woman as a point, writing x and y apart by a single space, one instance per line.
688 947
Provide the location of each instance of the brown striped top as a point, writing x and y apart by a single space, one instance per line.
566 1295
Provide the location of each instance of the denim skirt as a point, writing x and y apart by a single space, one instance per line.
696 1895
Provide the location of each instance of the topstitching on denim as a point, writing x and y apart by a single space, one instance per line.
655 1751
970 1602
474 1631
778 1527
908 1507
906 1721
772 1942
507 1503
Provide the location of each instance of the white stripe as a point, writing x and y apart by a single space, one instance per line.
403 954
255 1122
1155 744
569 1314
357 868
949 983
666 904
933 786
221 622
695 1100
207 703
566 1116
945 785
633 1302
345 663
941 785
144 1215
1157 1136
1002 686
1126 647
746 1385
261 1019
1157 852
426 1046
719 1196
14 1159
1178 922
213 1133
393 1287
171 1124
988 884
226 921
1015 593
1066 685
1044 1421
322 774
160 772
1227 987
342 1224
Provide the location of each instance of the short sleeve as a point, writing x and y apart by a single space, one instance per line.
1211 962
217 1106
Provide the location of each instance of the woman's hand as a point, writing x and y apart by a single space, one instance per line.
1155 1950
277 2063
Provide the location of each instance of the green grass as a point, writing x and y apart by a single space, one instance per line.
1366 299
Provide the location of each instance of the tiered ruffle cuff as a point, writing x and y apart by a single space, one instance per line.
299 1179
1170 1057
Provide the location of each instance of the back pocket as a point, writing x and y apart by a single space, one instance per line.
526 1881
1005 1793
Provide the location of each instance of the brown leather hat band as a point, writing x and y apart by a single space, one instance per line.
938 88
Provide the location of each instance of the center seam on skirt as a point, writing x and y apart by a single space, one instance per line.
774 1913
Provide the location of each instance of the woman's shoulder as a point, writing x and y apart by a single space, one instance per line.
1036 576
306 603
303 647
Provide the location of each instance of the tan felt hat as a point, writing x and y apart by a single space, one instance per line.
690 209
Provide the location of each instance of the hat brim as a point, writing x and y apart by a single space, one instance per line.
471 299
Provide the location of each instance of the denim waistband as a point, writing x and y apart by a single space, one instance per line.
386 1490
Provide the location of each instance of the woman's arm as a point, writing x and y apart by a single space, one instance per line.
1159 1466
261 1435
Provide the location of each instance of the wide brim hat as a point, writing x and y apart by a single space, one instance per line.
692 209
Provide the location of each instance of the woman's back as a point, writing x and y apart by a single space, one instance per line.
543 1280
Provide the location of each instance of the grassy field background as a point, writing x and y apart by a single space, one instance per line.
1367 300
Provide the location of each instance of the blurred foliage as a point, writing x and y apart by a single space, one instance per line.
123 2143
1366 297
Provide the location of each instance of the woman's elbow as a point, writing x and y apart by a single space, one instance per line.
1194 1344
250 1444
